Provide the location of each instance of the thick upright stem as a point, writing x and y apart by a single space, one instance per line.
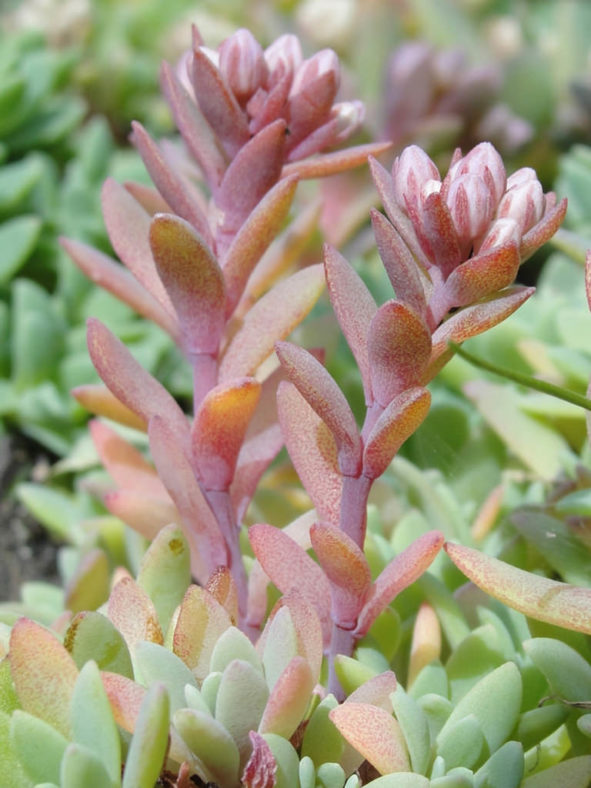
205 376
341 642
353 515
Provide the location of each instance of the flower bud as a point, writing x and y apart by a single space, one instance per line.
471 206
242 64
410 172
485 162
524 203
283 56
500 232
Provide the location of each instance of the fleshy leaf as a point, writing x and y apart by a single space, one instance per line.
375 734
261 767
288 700
125 697
143 513
399 346
440 233
80 766
333 163
88 587
201 620
354 308
193 280
43 672
308 630
219 428
131 610
538 597
322 393
97 399
376 691
157 663
147 751
233 644
426 641
211 743
461 744
272 318
415 728
572 773
124 463
278 644
398 421
38 746
347 570
543 230
222 587
92 635
483 274
312 450
567 672
151 200
403 570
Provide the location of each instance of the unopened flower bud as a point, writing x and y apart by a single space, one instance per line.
485 162
350 115
524 203
411 170
522 175
212 54
500 232
471 206
242 64
323 62
283 56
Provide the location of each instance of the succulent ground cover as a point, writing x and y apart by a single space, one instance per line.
402 597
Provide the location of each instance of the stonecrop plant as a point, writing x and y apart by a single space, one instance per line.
196 671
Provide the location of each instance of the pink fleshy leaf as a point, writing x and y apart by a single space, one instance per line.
310 107
143 513
261 768
322 393
354 308
376 691
398 421
482 275
133 613
169 182
426 641
471 321
272 318
222 587
312 450
288 700
219 428
543 230
401 267
200 527
106 272
200 622
323 136
375 734
217 103
97 399
332 163
440 233
193 280
151 200
399 347
291 568
254 171
403 570
538 597
308 630
125 697
124 463
347 569
128 226
130 383
43 673
196 132
254 237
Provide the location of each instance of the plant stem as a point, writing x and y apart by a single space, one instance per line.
205 376
524 380
353 514
341 642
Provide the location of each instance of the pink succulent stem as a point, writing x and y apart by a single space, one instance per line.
342 642
205 376
353 514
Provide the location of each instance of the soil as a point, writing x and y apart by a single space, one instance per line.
26 551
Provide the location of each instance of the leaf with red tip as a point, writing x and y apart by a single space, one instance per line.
288 699
133 613
218 104
168 181
43 672
200 527
97 399
333 163
347 569
399 420
403 570
308 630
125 697
543 230
145 514
375 691
193 280
252 173
312 450
151 200
399 347
222 587
321 392
196 132
471 321
556 603
261 767
219 428
486 273
290 567
401 267
253 238
426 641
110 275
354 308
129 381
272 318
375 734
200 622
128 226
124 463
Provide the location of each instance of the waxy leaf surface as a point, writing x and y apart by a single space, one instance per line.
211 743
97 399
332 163
482 275
201 620
132 611
288 700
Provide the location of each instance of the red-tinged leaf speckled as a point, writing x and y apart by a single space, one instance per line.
399 347
125 697
375 691
193 281
398 421
146 514
151 200
543 230
439 228
347 569
288 699
132 611
308 630
97 399
482 275
219 428
332 163
272 318
322 393
200 622
261 767
253 238
375 734
403 570
312 450
43 673
354 308
222 587
535 596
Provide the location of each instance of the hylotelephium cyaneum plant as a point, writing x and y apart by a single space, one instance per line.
253 123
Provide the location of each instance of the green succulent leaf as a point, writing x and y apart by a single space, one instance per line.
400 780
534 725
322 741
80 766
461 743
415 727
504 769
458 778
281 645
233 644
567 672
157 664
431 680
437 708
330 775
287 761
477 655
38 746
211 743
92 636
17 240
573 773
150 741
